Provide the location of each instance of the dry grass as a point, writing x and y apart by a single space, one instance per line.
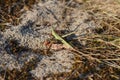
103 44
11 10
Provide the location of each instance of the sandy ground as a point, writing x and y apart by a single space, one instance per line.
23 44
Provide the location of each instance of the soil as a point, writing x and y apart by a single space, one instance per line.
26 40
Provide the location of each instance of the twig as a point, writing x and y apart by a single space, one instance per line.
118 59
111 43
